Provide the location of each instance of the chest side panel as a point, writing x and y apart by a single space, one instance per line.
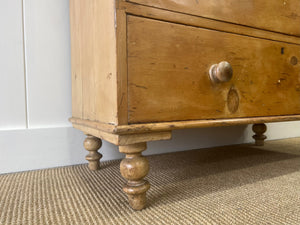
93 54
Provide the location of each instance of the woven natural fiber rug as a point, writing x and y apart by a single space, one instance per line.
228 185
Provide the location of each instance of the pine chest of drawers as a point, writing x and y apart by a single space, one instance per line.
142 68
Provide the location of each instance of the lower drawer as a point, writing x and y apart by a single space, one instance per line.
168 74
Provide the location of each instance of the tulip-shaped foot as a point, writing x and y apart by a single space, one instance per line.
134 168
259 130
92 144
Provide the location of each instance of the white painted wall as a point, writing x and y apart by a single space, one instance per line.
12 86
35 95
47 51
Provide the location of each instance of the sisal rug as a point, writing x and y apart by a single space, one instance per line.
225 185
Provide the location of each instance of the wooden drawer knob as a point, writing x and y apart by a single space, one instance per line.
221 72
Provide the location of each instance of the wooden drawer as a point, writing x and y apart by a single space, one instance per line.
276 15
168 74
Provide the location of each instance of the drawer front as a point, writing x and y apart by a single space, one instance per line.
168 74
275 15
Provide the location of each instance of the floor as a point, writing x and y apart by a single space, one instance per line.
240 184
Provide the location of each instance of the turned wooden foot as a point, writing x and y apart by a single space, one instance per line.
259 137
134 168
92 144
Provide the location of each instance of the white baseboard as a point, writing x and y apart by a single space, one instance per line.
31 149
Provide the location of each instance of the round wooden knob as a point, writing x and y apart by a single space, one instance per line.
221 72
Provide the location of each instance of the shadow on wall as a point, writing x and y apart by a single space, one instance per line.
182 140
201 138
62 146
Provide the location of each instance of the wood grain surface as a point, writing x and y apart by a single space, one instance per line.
276 15
168 74
94 66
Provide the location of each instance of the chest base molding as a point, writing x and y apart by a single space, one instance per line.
111 129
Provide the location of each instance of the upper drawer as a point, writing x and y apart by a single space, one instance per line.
168 74
275 15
